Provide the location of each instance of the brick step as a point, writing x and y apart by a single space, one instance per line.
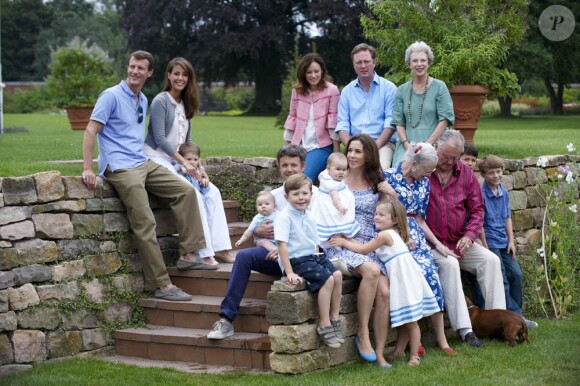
202 311
232 209
215 283
244 349
236 230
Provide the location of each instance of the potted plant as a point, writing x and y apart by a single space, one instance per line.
470 41
78 74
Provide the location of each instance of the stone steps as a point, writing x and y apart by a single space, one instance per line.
176 332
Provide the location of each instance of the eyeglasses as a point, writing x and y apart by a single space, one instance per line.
139 114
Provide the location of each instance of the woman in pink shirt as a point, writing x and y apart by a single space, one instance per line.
313 113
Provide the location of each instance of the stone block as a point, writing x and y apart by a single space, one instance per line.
134 262
508 182
130 282
127 243
166 223
63 343
118 312
54 294
533 237
350 324
79 320
290 307
68 270
1 200
13 369
12 214
293 339
536 176
94 339
23 297
29 346
282 285
538 216
348 303
28 252
6 279
345 353
19 191
112 204
116 222
39 318
6 352
5 244
4 301
32 274
75 188
536 196
108 246
261 162
103 264
8 321
349 285
87 224
49 186
520 179
300 363
73 249
247 171
95 291
518 200
18 231
66 206
522 219
513 165
269 176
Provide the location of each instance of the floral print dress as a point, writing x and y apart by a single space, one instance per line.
364 203
415 197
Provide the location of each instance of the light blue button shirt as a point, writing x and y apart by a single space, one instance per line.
367 112
497 211
122 136
298 230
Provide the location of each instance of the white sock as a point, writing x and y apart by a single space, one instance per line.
464 331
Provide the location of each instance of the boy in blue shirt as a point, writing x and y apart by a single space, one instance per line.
498 234
297 239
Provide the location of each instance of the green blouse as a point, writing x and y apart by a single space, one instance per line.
436 107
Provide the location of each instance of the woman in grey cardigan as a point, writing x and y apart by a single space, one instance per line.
169 127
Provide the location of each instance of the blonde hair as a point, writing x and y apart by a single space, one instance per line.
266 194
398 213
336 157
297 181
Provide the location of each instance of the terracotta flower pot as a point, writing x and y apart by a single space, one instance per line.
467 105
78 116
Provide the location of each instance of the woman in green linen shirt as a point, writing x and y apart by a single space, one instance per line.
423 106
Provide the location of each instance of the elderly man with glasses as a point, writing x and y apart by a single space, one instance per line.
118 122
455 216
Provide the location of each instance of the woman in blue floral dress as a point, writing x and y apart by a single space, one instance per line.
409 183
364 175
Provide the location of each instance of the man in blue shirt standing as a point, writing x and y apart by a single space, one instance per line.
118 120
366 105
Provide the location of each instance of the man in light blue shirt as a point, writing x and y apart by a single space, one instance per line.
366 105
118 120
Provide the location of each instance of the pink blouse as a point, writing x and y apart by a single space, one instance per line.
325 114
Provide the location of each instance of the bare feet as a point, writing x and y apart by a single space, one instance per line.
225 256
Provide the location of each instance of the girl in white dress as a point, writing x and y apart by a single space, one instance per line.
334 207
411 298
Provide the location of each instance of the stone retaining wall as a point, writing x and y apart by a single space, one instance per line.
70 272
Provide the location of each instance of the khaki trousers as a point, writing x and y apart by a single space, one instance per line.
386 155
485 266
132 186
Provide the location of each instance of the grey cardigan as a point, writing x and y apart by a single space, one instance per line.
160 122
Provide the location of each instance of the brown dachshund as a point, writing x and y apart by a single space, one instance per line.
497 323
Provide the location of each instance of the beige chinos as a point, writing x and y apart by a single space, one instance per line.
132 186
485 266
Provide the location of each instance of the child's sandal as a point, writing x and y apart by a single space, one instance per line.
414 360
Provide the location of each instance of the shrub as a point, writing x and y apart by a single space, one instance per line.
79 73
34 100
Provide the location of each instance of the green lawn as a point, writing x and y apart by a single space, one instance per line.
39 139
550 359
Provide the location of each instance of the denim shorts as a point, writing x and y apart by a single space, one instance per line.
315 269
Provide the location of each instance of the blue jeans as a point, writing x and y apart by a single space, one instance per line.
512 280
247 260
316 161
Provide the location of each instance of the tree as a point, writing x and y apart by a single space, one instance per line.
229 40
22 21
